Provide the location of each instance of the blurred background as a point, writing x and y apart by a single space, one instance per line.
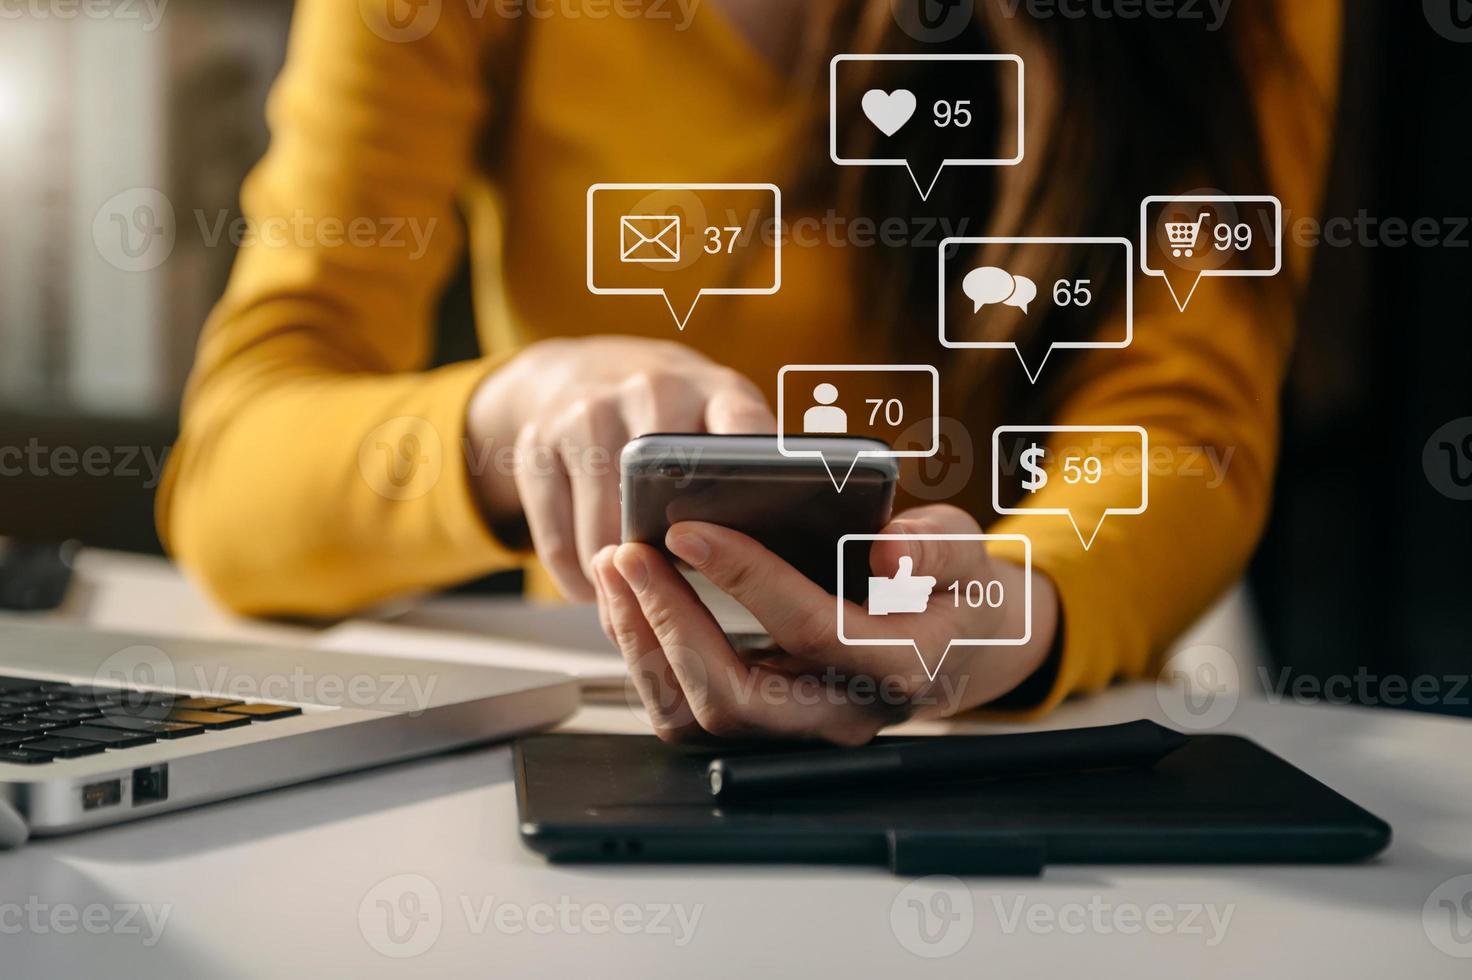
127 126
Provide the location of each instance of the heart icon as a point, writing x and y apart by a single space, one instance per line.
889 111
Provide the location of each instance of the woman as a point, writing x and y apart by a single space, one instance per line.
315 355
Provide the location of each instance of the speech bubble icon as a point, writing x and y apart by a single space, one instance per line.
1188 238
989 285
923 629
1073 471
816 412
926 124
684 241
1025 292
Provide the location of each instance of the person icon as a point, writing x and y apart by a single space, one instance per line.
825 417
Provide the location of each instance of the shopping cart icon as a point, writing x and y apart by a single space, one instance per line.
1183 235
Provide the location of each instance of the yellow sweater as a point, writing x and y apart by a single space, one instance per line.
312 365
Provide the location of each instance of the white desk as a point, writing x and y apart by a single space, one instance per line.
289 883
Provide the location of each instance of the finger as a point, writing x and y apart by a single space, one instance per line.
800 615
728 698
797 613
946 561
603 559
546 501
736 407
649 670
596 434
659 402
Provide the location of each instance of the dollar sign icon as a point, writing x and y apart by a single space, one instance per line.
1037 479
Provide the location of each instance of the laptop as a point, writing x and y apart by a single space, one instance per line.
99 728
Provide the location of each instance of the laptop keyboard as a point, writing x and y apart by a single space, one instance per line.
41 721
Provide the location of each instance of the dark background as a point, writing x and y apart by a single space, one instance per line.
1365 564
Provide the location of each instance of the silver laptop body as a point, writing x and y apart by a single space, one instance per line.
356 711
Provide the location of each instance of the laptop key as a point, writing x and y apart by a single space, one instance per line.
23 757
65 748
204 704
158 729
113 738
92 705
63 715
27 725
209 719
263 712
25 697
20 683
9 740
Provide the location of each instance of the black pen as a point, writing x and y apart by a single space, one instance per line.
941 759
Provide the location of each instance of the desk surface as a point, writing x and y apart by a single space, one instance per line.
416 870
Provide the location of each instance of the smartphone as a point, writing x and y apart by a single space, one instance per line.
789 504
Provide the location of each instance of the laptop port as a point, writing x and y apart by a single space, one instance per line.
106 793
150 784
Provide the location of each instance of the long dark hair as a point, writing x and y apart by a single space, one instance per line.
1117 110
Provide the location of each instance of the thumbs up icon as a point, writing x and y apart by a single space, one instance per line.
905 593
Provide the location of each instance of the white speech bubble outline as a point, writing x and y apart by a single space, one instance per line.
1064 511
1233 199
1032 376
930 673
871 453
901 162
680 322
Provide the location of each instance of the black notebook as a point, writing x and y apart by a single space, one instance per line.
1219 798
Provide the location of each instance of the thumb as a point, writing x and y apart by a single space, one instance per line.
923 555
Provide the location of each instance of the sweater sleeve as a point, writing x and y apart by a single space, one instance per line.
320 467
1205 385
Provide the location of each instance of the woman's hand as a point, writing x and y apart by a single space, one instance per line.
568 406
693 683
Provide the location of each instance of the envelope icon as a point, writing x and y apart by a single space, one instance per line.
649 238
